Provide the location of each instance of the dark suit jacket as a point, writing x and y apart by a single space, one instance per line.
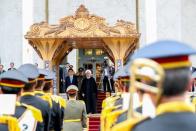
68 81
11 69
92 84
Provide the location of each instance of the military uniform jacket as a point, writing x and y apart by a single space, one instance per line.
3 127
9 123
27 118
40 104
169 122
174 117
75 110
56 116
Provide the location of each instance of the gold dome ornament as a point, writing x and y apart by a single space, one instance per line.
81 24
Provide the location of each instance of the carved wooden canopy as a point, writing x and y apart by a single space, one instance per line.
83 30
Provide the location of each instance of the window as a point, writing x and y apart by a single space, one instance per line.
88 51
99 52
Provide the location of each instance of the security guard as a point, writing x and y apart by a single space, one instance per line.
56 110
28 97
12 82
172 110
75 112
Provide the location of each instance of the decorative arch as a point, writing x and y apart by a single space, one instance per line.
83 30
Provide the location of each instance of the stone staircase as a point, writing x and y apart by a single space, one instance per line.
101 96
94 122
94 119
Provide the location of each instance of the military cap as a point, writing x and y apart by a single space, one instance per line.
127 68
30 71
42 74
50 76
13 78
72 89
116 75
168 53
121 73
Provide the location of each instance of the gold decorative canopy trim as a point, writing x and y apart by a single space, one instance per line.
82 25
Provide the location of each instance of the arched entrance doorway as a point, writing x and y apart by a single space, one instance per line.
83 30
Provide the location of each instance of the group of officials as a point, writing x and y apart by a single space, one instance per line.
159 78
36 109
85 83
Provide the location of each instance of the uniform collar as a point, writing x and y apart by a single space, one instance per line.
18 103
48 94
39 92
28 94
176 106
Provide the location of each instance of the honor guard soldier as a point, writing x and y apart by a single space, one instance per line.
28 97
56 110
12 82
75 112
39 87
173 113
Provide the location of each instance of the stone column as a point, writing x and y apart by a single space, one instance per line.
11 32
188 24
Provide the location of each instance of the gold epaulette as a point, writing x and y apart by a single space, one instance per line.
11 122
104 103
39 92
129 124
112 118
108 102
36 112
62 101
44 96
104 113
82 102
194 101
55 99
47 98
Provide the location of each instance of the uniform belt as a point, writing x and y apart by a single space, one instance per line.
72 120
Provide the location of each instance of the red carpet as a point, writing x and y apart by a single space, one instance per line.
94 119
94 122
101 96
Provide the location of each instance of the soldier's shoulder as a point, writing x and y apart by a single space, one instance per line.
60 100
9 123
36 112
143 124
185 119
41 102
82 102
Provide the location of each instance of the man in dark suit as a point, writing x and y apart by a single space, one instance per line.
89 92
12 66
63 73
71 79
